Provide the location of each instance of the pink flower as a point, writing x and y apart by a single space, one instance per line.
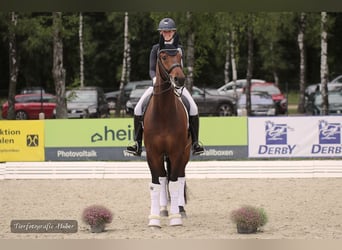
96 215
249 217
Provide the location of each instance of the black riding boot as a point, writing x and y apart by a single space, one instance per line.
138 131
197 149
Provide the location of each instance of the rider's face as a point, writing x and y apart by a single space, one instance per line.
167 34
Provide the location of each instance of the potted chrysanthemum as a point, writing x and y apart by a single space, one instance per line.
97 217
249 218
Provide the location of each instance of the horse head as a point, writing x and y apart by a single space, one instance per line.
170 63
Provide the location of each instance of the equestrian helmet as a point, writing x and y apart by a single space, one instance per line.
167 24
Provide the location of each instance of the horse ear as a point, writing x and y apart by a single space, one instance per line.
176 40
161 42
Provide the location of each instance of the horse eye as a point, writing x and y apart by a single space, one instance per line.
164 57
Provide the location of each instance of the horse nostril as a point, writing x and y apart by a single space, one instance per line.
181 81
178 80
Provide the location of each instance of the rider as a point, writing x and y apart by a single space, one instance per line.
167 29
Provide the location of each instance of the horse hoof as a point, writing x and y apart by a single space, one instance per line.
176 220
154 223
164 213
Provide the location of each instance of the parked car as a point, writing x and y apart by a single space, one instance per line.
315 105
32 90
312 89
28 106
134 98
238 86
262 104
337 79
212 103
87 102
113 96
277 96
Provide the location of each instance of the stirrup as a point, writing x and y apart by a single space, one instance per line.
135 150
197 149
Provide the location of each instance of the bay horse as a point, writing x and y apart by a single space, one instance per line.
166 138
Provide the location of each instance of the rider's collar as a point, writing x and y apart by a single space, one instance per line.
169 42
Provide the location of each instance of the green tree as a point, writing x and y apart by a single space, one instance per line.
35 50
270 29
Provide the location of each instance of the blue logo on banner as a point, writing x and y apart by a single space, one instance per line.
329 133
276 140
276 134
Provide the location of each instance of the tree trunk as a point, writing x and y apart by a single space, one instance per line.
58 71
80 34
227 62
275 77
324 66
273 63
249 65
125 68
234 68
190 53
13 67
302 67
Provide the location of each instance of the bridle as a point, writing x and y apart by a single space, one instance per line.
165 73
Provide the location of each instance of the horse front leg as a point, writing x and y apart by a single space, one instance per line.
182 190
154 217
178 175
163 196
174 189
181 197
175 217
157 170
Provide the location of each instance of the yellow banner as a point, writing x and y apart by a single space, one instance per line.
22 141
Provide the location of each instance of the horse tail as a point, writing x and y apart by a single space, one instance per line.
168 167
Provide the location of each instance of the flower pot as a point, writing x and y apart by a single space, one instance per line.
97 228
245 230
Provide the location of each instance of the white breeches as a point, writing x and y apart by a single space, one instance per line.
138 110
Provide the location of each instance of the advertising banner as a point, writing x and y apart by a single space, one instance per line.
277 137
223 138
107 139
22 141
88 139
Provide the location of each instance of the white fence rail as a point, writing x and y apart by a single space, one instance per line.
195 169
